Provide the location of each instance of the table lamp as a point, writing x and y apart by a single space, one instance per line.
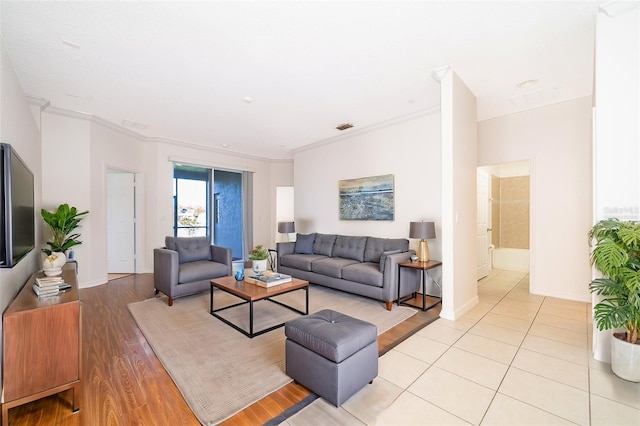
286 228
422 231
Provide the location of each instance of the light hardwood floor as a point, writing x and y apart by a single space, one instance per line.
123 383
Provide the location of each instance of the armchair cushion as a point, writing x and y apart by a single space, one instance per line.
201 270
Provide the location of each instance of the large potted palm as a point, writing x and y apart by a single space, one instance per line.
616 255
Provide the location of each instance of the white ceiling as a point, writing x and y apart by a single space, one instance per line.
184 68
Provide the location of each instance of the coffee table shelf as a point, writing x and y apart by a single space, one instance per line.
251 293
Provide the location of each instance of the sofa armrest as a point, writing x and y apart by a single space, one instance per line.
165 269
284 248
410 279
222 255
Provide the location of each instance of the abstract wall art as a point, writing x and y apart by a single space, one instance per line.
367 198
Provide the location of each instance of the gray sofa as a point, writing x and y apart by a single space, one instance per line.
367 266
186 266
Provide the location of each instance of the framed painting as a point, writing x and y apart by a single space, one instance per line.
367 198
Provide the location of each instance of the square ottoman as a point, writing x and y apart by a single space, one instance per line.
331 354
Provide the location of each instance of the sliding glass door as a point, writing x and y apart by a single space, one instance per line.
227 219
209 202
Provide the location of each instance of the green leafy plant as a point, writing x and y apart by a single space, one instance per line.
259 253
617 255
62 223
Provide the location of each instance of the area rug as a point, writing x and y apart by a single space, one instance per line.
218 370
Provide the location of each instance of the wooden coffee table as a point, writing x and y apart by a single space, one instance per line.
251 293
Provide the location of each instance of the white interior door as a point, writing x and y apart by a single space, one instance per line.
482 231
120 222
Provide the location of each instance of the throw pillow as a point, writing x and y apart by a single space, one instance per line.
383 257
304 243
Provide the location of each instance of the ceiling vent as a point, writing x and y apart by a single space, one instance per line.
134 124
344 126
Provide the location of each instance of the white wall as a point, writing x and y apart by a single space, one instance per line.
617 130
66 171
18 128
283 195
557 141
409 149
459 197
284 210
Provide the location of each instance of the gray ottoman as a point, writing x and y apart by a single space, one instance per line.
331 354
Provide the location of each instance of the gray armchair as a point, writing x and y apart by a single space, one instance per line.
187 264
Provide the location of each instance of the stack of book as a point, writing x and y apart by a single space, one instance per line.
268 279
49 286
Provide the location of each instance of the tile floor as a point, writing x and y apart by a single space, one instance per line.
514 359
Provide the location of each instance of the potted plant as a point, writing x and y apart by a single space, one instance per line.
62 223
617 256
258 257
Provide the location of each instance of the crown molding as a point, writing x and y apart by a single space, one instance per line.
155 139
68 113
41 103
45 104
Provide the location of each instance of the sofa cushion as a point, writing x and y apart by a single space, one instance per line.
331 267
373 250
385 254
365 273
300 261
350 247
190 249
201 270
304 243
323 244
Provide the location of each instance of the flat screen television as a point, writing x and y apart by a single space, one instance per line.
17 216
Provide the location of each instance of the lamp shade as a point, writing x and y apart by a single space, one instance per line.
286 227
422 230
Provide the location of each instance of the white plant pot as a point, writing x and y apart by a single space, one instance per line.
625 359
52 264
259 266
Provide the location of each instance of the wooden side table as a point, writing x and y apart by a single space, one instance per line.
424 267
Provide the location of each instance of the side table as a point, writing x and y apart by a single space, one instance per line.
424 267
273 259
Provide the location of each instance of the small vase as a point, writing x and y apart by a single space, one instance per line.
259 266
52 264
